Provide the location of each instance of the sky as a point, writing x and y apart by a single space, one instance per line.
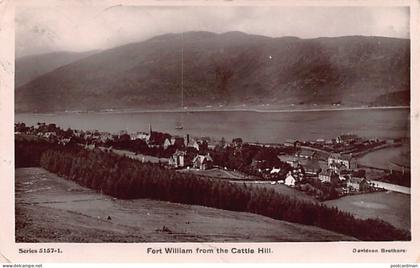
84 28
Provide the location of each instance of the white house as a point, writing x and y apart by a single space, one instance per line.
143 136
275 170
167 143
178 159
203 162
335 161
290 180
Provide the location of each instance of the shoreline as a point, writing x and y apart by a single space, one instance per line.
231 109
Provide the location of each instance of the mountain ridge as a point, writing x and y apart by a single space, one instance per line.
226 69
30 67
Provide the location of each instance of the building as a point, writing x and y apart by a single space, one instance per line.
298 173
142 136
49 135
166 143
178 160
275 170
346 138
357 184
290 179
203 162
328 175
336 161
190 142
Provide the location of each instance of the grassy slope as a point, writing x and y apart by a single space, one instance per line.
50 208
389 206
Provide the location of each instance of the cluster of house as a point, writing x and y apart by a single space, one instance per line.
180 159
339 169
189 152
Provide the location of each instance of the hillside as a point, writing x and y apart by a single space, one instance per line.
52 209
33 66
226 69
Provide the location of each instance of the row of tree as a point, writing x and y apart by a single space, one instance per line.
123 177
28 151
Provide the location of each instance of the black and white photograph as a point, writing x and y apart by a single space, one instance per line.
216 123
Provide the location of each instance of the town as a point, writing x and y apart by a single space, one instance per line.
325 169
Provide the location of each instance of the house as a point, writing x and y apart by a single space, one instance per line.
344 176
166 143
275 170
336 160
305 154
298 173
346 138
143 136
203 162
190 142
194 144
328 175
105 137
64 141
49 135
290 179
178 160
133 136
357 184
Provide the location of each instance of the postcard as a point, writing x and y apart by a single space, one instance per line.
209 131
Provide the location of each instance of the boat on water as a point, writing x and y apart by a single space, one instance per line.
179 124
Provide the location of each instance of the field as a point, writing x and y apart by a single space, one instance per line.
219 173
52 209
286 190
389 206
140 157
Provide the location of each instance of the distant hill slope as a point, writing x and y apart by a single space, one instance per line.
30 67
231 68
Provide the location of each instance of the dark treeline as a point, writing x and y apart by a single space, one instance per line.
28 152
123 177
